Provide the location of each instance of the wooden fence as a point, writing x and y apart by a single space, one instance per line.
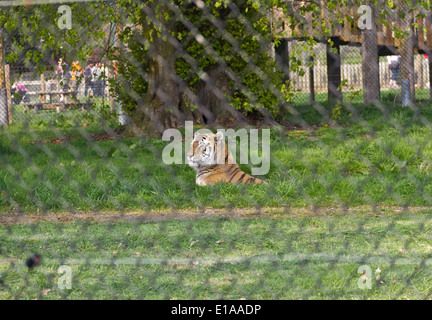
352 74
48 83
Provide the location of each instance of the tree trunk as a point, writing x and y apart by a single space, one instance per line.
212 100
370 62
407 58
160 109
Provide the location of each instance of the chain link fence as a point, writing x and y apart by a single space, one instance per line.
100 105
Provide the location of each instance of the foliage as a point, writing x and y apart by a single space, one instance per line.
33 40
234 35
242 47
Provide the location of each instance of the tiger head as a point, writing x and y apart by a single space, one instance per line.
208 149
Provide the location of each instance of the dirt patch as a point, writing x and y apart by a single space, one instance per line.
235 213
109 135
122 133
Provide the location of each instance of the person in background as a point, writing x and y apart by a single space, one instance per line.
64 76
88 78
60 68
394 66
18 93
94 78
98 79
102 74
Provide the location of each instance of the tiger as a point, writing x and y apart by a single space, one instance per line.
203 155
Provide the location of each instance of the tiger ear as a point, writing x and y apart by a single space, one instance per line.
219 136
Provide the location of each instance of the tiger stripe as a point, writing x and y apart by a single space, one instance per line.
234 174
241 178
250 179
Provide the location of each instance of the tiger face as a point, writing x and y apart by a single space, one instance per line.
202 151
208 149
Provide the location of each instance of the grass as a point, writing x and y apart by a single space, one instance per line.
349 157
333 158
389 97
284 257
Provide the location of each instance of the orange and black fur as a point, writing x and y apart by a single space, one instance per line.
203 157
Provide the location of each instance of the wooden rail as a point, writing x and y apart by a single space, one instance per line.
346 30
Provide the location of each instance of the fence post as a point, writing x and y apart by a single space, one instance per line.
334 70
4 119
8 92
42 96
311 80
428 22
282 57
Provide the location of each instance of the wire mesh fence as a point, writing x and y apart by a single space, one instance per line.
112 189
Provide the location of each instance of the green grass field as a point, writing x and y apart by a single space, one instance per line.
338 185
269 257
369 158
